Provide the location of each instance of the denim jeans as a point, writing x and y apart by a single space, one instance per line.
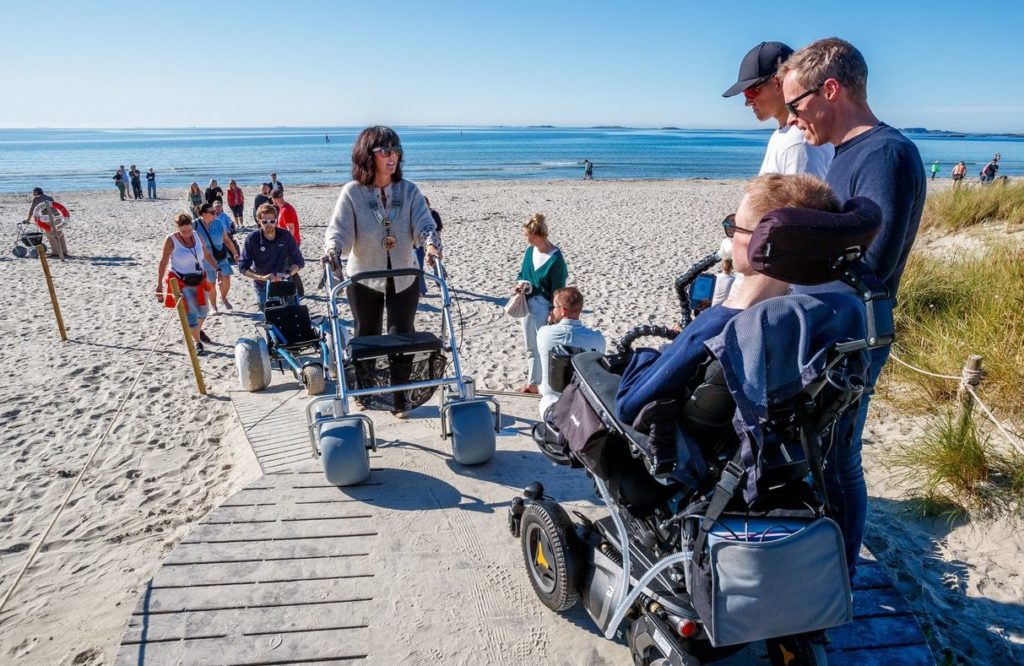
193 311
844 478
540 308
151 189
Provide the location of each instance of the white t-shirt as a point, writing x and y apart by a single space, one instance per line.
788 153
540 258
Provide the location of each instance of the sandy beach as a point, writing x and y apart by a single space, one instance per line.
174 455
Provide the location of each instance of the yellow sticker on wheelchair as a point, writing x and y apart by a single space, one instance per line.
540 560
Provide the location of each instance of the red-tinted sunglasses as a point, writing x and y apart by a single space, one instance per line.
753 91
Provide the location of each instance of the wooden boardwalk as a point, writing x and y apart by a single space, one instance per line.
293 570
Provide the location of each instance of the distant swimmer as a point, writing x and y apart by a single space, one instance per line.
327 139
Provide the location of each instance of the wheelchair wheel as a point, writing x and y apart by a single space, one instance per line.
343 453
20 251
803 650
252 359
549 551
313 378
34 252
473 439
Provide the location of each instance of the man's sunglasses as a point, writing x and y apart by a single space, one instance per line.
729 224
791 105
386 151
753 91
268 222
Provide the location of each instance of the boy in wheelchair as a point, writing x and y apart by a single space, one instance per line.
733 420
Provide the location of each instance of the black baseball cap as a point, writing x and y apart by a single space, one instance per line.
760 62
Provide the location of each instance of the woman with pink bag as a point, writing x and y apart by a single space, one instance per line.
542 273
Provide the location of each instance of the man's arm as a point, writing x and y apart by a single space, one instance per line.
893 178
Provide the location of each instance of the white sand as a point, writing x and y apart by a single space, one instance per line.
174 455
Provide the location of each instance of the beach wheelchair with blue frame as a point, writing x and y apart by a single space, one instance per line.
290 338
719 530
394 373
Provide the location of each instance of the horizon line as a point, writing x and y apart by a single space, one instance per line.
500 126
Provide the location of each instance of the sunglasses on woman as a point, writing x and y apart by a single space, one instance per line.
386 151
729 224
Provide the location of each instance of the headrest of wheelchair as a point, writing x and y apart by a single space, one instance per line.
807 247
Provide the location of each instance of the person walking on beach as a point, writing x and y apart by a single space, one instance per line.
269 254
788 150
825 86
377 221
236 202
195 198
136 178
212 226
151 183
213 192
262 198
275 184
186 254
40 208
588 170
120 181
959 171
935 169
543 272
288 220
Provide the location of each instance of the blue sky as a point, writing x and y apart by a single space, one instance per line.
404 62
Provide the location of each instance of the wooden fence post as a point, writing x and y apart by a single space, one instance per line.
180 307
971 375
53 292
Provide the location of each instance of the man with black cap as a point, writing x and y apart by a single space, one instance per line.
788 152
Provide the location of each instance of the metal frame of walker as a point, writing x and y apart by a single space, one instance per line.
463 386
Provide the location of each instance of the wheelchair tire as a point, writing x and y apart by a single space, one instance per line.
313 378
252 358
473 438
551 555
343 453
20 251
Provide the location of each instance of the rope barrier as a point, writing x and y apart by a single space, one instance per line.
924 372
88 462
968 380
991 417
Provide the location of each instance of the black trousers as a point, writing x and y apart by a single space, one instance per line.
368 306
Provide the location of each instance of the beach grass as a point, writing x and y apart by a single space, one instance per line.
962 207
953 469
950 308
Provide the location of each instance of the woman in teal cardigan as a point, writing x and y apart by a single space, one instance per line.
542 273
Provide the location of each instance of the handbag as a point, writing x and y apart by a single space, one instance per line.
516 306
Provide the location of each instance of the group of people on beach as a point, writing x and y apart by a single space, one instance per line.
828 147
985 176
202 253
132 178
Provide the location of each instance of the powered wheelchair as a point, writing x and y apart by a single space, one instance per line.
719 530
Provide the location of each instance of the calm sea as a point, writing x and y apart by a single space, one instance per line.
69 159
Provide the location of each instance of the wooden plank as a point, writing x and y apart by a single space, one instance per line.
908 655
287 511
878 602
238 622
264 550
877 632
277 648
870 576
236 572
196 599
